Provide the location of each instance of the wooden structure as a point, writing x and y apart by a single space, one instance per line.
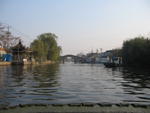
18 53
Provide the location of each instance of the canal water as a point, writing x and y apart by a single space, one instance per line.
73 83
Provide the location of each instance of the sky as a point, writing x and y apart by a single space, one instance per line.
81 25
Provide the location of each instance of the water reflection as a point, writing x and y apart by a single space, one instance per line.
73 83
22 84
136 84
137 76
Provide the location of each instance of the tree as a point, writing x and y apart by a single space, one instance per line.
116 52
38 50
45 47
136 52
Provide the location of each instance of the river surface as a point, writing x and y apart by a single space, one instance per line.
73 83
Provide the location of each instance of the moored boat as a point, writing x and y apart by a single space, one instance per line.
109 65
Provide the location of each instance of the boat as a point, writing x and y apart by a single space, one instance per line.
109 64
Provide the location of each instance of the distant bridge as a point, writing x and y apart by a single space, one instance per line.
74 58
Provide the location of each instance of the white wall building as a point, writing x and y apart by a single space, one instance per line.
2 52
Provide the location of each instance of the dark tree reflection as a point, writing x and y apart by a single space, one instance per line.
141 77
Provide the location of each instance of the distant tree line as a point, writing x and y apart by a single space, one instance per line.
136 52
45 47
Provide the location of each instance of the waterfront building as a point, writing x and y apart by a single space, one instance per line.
21 54
18 53
105 57
2 53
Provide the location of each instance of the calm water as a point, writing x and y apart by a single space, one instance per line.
73 83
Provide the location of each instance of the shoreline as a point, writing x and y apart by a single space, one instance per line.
28 63
77 108
5 63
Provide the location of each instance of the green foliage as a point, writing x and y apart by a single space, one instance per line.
45 47
136 52
116 52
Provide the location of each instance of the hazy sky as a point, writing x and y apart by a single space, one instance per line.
81 25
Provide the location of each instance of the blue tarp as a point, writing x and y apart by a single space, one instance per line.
7 57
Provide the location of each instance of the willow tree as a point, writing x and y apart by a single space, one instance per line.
45 47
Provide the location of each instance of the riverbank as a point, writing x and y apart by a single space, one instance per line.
78 108
28 63
5 63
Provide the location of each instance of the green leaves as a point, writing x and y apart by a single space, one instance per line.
45 47
136 52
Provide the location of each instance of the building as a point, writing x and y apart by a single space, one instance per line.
18 53
109 59
21 55
105 57
2 53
